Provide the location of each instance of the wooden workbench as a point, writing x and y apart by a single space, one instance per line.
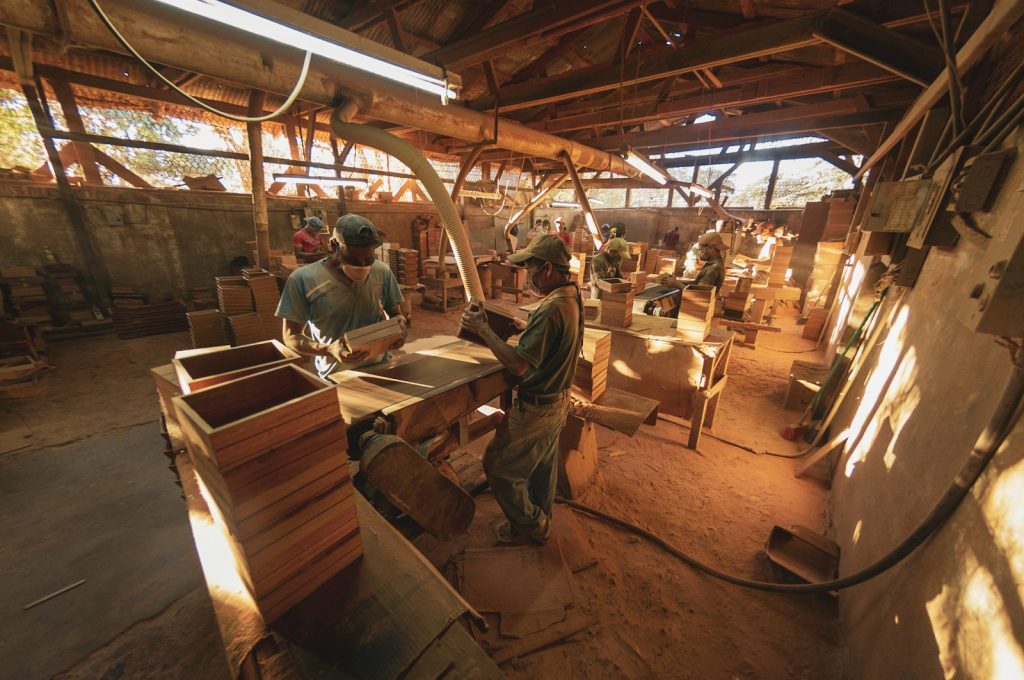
434 384
389 615
687 378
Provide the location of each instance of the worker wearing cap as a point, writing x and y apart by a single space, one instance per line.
308 247
607 264
711 250
521 462
562 233
347 290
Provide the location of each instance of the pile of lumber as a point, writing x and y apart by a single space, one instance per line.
405 264
696 310
233 295
71 301
206 327
247 328
269 455
592 367
155 319
25 295
780 265
266 296
827 259
199 369
21 376
202 298
126 296
376 338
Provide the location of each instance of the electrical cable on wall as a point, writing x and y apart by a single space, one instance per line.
155 71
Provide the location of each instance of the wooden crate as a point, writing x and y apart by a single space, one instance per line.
206 328
696 310
614 285
247 329
238 420
617 309
779 267
199 370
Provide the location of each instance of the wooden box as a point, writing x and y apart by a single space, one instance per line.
617 309
501 322
779 267
376 338
805 380
238 420
614 285
199 370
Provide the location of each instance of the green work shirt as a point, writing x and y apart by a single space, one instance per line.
603 267
330 308
551 343
711 274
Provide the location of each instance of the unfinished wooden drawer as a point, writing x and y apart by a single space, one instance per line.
238 420
200 369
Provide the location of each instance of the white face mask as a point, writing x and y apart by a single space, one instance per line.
355 273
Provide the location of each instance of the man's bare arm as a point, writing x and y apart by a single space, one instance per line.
294 338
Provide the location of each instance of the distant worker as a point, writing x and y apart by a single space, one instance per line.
349 289
711 250
562 233
521 461
618 230
606 230
308 247
671 238
607 265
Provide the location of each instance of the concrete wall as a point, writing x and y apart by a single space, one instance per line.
955 608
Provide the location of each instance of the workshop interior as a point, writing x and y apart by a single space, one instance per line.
535 339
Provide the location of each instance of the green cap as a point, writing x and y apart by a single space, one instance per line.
356 230
544 247
619 245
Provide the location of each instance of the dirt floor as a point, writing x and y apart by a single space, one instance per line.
655 616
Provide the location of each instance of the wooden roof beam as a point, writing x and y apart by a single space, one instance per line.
787 85
778 153
782 36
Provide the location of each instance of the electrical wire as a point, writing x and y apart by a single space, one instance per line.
990 441
170 83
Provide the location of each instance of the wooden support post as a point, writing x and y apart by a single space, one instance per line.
342 207
771 186
84 151
261 217
20 45
116 167
293 149
581 196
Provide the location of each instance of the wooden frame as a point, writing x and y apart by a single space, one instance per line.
199 369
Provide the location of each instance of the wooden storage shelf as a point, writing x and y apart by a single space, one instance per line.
199 370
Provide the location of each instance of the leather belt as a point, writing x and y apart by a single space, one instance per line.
542 399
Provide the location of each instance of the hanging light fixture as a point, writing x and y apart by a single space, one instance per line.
278 31
645 166
313 179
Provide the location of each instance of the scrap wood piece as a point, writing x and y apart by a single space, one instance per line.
516 580
577 551
542 640
47 598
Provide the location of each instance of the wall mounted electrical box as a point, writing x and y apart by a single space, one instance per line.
995 290
896 206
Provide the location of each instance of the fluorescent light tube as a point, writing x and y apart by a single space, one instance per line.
313 179
565 204
644 166
701 191
254 23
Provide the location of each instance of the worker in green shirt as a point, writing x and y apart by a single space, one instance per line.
607 265
521 462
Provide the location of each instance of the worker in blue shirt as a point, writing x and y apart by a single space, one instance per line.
347 290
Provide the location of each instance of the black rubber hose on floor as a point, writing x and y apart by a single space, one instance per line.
1002 422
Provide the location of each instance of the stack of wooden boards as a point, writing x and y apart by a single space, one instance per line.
815 322
405 265
265 296
696 310
592 368
233 295
616 302
140 320
269 453
24 294
206 328
780 265
376 338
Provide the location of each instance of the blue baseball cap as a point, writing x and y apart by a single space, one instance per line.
314 222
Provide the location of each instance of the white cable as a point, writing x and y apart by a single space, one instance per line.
241 119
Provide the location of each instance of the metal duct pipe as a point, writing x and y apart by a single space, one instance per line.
424 171
158 33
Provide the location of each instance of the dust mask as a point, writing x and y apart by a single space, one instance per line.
355 273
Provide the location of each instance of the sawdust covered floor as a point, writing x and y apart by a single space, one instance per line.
656 617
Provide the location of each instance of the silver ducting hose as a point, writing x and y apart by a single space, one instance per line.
424 171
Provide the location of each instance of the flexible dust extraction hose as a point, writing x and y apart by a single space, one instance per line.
424 171
1003 420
